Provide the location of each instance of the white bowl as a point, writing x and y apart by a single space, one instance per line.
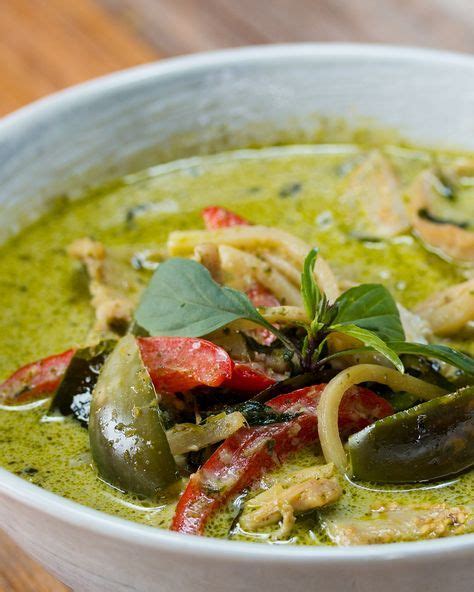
196 104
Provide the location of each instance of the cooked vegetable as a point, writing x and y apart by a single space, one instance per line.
430 441
219 217
181 363
187 437
127 438
250 452
36 379
248 379
74 394
333 393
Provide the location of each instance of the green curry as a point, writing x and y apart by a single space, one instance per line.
303 190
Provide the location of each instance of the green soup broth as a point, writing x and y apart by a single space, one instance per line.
45 302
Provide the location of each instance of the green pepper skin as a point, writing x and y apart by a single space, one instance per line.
127 438
430 441
74 394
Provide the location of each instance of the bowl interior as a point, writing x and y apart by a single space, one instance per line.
195 105
232 99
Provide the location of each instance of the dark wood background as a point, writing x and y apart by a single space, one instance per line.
46 45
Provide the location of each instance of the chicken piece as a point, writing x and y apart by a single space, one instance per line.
113 308
445 237
299 492
450 310
394 523
373 190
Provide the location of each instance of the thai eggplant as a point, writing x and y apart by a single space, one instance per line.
429 441
127 438
74 394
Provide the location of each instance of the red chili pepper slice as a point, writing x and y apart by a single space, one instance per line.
182 363
219 217
250 452
38 378
248 379
174 363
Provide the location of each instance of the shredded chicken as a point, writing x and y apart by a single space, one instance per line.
394 522
449 239
373 189
450 310
113 309
299 492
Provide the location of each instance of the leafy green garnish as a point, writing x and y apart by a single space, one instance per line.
372 340
438 352
367 312
314 300
183 300
371 307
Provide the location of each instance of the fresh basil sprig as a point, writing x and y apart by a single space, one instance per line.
183 300
367 313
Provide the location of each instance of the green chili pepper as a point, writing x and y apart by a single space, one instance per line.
128 441
427 442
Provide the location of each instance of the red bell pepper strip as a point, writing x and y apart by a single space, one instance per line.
174 363
244 457
182 363
38 378
247 379
219 217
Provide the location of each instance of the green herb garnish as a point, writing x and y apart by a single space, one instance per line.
183 300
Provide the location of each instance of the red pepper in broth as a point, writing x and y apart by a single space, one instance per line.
174 363
219 217
38 378
182 363
249 453
247 379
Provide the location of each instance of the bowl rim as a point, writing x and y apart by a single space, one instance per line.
83 517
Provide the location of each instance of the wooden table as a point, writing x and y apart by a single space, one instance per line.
46 45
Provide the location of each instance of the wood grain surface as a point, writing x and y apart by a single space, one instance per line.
46 45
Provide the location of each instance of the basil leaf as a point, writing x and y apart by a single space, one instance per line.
310 291
438 352
370 339
183 300
371 307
